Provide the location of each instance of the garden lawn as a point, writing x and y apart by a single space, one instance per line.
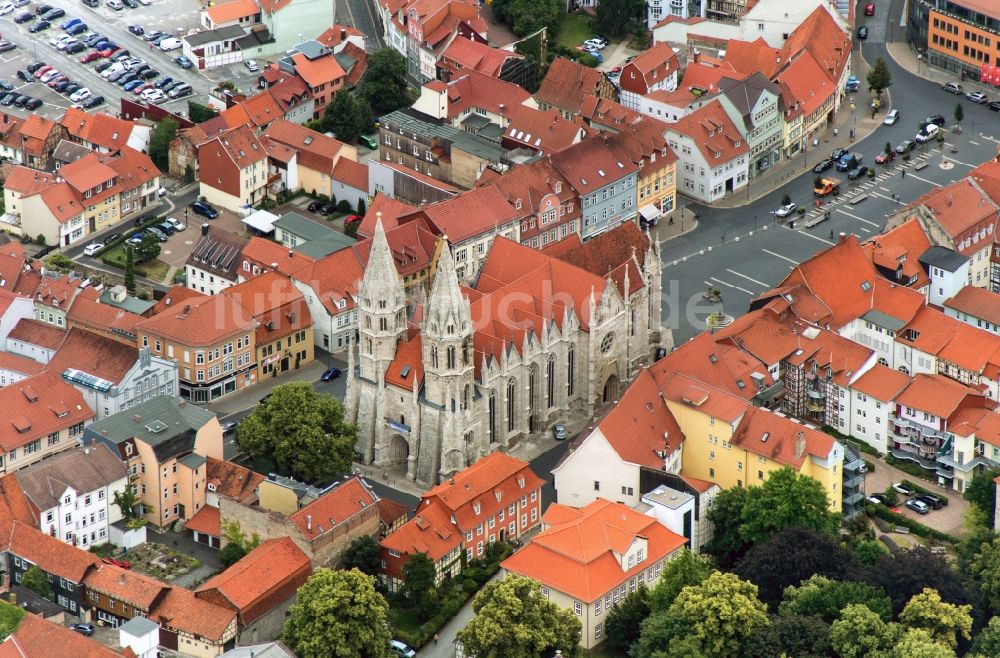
405 620
574 30
154 269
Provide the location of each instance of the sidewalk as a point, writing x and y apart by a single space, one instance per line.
788 168
674 224
904 55
248 397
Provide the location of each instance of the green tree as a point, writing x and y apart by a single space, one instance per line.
987 643
959 113
879 79
235 543
624 621
364 555
683 570
786 500
825 598
727 544
338 614
918 643
944 621
383 85
661 632
860 633
129 270
525 17
36 580
362 208
620 17
148 249
10 618
126 500
513 620
303 431
985 567
419 576
720 614
982 493
868 551
159 142
786 199
345 117
790 635
200 113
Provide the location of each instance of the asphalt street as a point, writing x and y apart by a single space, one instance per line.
361 15
744 252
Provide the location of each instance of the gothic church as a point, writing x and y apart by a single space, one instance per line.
472 370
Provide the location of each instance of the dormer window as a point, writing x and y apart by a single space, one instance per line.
476 508
520 481
499 495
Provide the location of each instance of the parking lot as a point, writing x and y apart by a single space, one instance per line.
172 16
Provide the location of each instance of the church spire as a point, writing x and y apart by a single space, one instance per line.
381 279
446 306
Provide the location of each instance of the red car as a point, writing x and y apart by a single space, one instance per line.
42 71
870 9
107 52
141 88
885 157
353 218
118 563
92 56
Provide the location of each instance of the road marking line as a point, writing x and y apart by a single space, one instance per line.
925 180
997 141
810 235
720 281
862 228
974 143
964 164
759 283
883 188
860 219
768 251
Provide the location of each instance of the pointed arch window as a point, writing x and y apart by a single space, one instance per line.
434 357
451 356
465 397
511 399
570 367
465 352
492 428
550 375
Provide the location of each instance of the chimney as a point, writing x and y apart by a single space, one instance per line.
204 228
309 522
800 444
343 34
289 253
696 56
842 237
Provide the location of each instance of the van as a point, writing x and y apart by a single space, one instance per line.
170 43
929 132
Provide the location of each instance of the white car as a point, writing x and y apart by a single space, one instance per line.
155 96
977 97
891 118
929 132
173 222
116 5
6 8
170 43
66 44
92 248
81 94
49 75
785 210
59 39
251 66
145 3
596 44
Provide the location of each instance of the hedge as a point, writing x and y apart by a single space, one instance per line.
916 487
915 527
908 467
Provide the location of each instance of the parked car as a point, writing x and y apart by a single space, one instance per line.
401 649
903 489
80 95
5 85
368 141
136 30
72 88
149 74
862 32
559 432
6 46
837 154
785 210
314 206
163 82
166 228
870 9
952 88
178 226
905 146
160 235
877 499
977 97
40 26
995 106
330 374
70 22
152 35
25 76
183 62
115 4
891 117
121 564
251 66
929 132
47 75
328 208
936 119
7 8
92 248
931 500
885 157
41 9
154 96
85 629
181 90
204 209
131 4
8 99
21 100
93 102
170 43
229 426
24 17
857 172
77 29
918 506
133 84
848 161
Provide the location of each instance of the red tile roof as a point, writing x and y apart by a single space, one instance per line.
37 333
352 174
100 128
807 83
640 428
102 357
470 89
264 578
881 382
88 312
38 406
337 34
200 322
350 497
938 395
612 253
464 54
230 11
780 439
977 303
961 209
27 181
611 115
716 364
181 610
136 588
749 57
323 70
388 208
581 556
50 554
408 360
430 531
547 132
233 481
690 392
649 68
206 521
273 256
37 638
469 215
14 503
87 173
900 250
593 164
824 40
316 150
20 364
176 296
702 77
713 132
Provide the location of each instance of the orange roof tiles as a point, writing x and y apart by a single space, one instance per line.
470 89
706 78
350 497
430 531
231 11
233 481
881 382
100 129
959 208
240 144
593 164
37 638
316 150
388 208
938 395
545 131
609 114
37 127
95 355
262 579
38 406
337 34
611 253
899 250
689 391
176 296
87 173
61 200
89 312
20 364
640 428
807 83
950 339
977 303
14 503
824 40
273 256
323 70
206 521
28 181
49 554
465 54
580 556
649 68
125 585
352 174
713 132
749 57
408 360
470 214
180 609
37 333
717 364
567 83
780 439
200 322
134 168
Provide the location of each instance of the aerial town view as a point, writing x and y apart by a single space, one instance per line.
499 328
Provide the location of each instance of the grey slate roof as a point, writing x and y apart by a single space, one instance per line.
227 33
218 253
305 228
943 258
192 460
166 423
82 468
138 626
744 94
